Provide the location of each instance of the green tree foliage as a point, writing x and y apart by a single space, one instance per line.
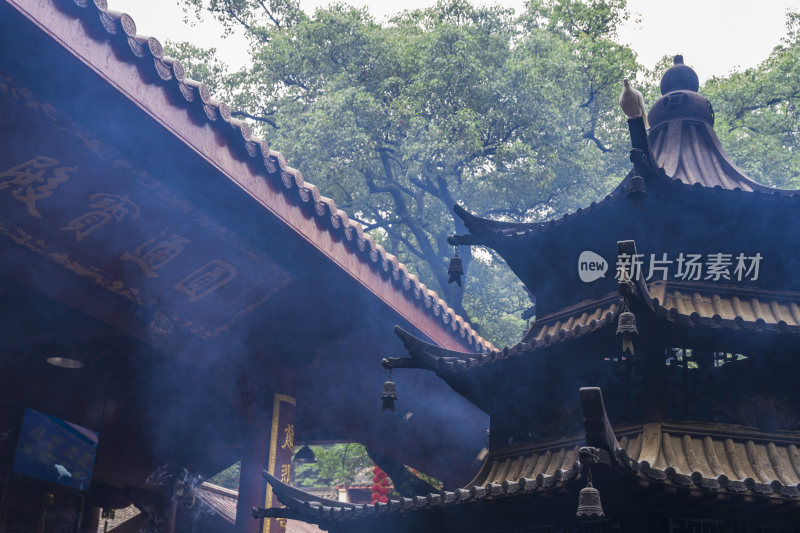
758 113
512 116
337 465
228 478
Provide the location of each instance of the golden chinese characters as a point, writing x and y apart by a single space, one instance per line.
207 279
106 206
27 182
288 441
155 253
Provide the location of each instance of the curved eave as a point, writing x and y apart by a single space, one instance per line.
677 459
566 325
699 462
309 508
725 308
686 152
684 304
438 359
484 231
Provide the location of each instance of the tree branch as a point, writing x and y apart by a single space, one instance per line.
411 248
269 14
255 117
591 136
769 103
232 12
589 101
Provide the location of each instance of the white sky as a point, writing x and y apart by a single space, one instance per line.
715 36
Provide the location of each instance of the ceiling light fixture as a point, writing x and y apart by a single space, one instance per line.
64 362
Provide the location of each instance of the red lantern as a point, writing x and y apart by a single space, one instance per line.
384 499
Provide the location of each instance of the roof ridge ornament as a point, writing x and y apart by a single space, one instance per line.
680 97
679 77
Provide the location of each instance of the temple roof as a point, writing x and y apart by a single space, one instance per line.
688 304
118 31
683 145
219 499
722 460
685 455
673 454
683 139
726 308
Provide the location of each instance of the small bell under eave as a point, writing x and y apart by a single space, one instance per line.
305 456
589 506
626 326
636 187
455 270
389 394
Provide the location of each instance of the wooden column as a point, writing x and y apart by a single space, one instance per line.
169 511
653 384
281 448
91 519
251 483
269 446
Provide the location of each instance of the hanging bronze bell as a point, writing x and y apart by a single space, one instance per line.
455 270
589 506
305 456
389 395
626 326
627 323
636 187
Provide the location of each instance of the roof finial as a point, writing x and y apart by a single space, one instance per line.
679 78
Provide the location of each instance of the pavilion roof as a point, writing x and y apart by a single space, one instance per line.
727 461
681 148
689 304
118 31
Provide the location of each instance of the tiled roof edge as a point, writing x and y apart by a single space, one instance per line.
444 362
120 31
306 507
485 230
673 314
595 416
